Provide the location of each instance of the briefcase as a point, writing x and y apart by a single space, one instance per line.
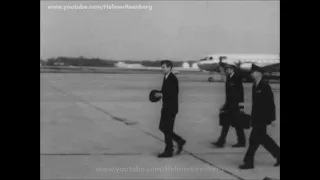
225 118
243 120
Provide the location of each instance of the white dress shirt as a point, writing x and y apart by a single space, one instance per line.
167 75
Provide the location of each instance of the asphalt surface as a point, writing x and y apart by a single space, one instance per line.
102 126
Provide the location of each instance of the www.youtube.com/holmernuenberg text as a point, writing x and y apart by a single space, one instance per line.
157 169
101 7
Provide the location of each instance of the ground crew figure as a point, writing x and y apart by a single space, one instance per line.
231 108
263 114
169 94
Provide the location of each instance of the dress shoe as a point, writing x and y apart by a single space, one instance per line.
180 146
268 178
218 144
239 145
246 166
165 155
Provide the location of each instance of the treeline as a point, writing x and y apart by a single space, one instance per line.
42 61
97 62
70 61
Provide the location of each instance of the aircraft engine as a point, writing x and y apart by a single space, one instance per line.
245 66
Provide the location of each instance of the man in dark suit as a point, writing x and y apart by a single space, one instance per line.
169 94
231 108
263 114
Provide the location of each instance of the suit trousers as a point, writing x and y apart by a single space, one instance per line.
166 126
239 131
259 137
227 120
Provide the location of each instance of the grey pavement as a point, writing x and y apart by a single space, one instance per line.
102 126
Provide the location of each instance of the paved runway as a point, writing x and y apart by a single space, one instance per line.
102 126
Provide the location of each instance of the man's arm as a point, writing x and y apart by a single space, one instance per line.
269 101
173 88
240 90
237 94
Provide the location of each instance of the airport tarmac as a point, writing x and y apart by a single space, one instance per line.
102 126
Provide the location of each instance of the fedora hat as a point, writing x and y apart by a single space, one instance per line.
152 96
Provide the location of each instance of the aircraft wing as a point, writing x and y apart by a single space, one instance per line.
272 68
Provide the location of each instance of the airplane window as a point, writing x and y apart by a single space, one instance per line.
210 58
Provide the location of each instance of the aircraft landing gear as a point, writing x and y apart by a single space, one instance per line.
210 79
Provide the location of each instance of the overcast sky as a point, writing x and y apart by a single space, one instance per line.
180 30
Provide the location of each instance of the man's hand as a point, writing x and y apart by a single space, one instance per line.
222 108
273 124
158 94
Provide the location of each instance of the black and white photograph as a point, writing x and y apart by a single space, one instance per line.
160 89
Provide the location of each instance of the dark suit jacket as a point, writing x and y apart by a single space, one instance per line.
263 107
234 96
170 91
234 93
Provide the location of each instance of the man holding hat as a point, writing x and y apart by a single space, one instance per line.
230 110
263 114
169 94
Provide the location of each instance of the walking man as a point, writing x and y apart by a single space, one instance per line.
231 108
169 94
263 114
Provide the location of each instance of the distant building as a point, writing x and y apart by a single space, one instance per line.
195 66
58 64
186 65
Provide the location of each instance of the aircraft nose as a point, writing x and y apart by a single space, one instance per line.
200 64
